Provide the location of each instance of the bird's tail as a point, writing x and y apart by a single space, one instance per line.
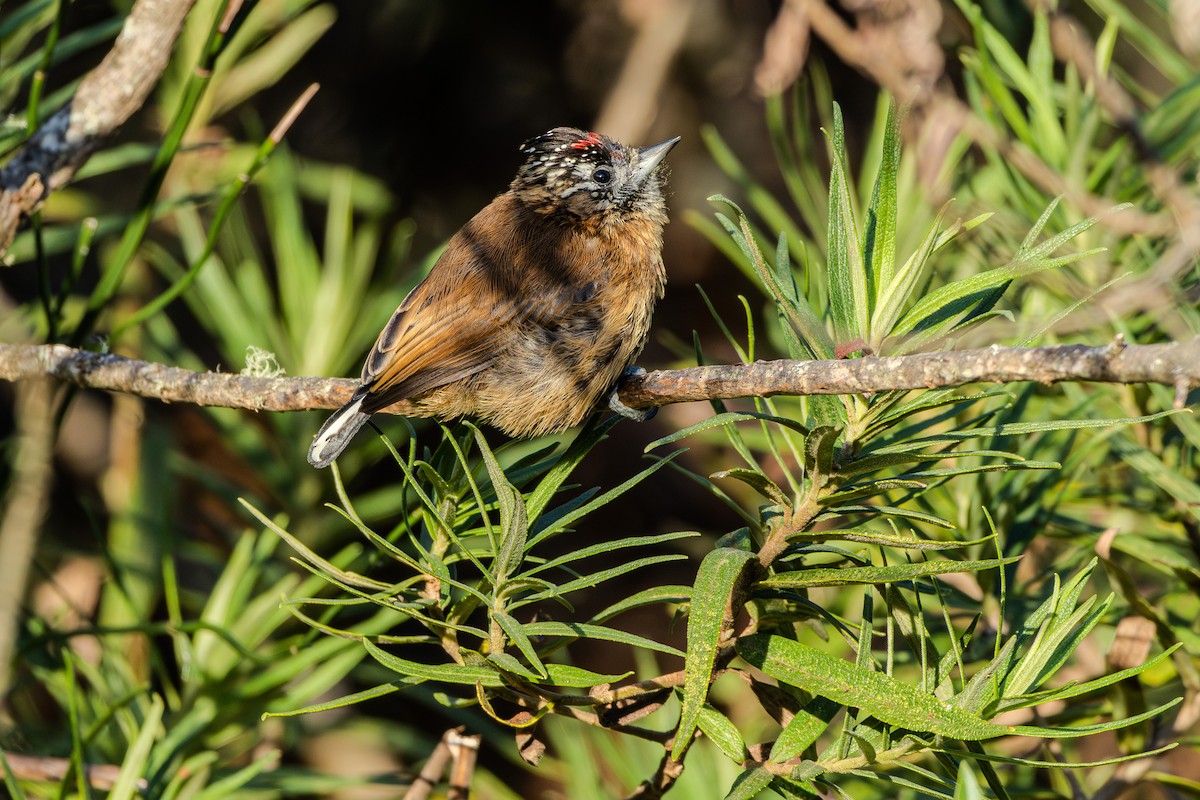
336 433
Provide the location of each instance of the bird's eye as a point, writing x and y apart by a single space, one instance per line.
602 175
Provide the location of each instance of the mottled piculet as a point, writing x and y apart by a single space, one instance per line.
538 304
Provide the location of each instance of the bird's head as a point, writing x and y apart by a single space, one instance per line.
591 177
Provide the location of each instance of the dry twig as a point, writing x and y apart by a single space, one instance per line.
1175 364
631 105
456 750
46 768
105 99
27 501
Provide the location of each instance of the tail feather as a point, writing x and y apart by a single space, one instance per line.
336 433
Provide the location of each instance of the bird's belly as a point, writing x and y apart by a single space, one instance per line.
552 377
550 374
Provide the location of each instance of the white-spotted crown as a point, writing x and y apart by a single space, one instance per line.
588 174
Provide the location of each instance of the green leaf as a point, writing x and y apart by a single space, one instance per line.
577 677
873 693
748 784
440 487
319 665
442 673
588 437
382 690
741 539
720 575
609 547
26 15
728 418
846 576
1040 764
1144 31
981 66
771 210
70 45
603 499
879 245
10 779
894 295
1002 467
1187 787
506 662
1028 260
890 511
861 490
322 565
596 578
818 452
588 630
229 785
1074 732
849 297
887 538
873 462
791 304
718 235
1015 429
757 481
519 637
250 73
117 265
132 768
646 597
514 526
794 308
1088 687
804 728
986 685
967 785
1179 481
1057 639
889 411
742 353
723 733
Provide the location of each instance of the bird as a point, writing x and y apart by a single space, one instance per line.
539 304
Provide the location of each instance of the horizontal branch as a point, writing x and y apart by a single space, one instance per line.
1175 364
49 768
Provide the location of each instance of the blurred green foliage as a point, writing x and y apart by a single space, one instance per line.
920 577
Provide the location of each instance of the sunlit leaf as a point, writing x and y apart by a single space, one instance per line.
718 578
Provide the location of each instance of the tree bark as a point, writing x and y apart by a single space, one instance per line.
1175 364
106 98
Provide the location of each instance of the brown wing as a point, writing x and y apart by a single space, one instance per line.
421 348
450 326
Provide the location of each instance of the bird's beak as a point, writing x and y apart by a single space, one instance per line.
650 157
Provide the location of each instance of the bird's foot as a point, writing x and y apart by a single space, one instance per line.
614 400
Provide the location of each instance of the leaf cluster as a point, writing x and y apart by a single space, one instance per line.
915 573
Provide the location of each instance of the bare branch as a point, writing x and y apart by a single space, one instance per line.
1170 364
48 768
27 501
455 750
171 384
105 99
1176 364
632 103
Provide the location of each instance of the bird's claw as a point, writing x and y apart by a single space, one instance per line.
614 400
